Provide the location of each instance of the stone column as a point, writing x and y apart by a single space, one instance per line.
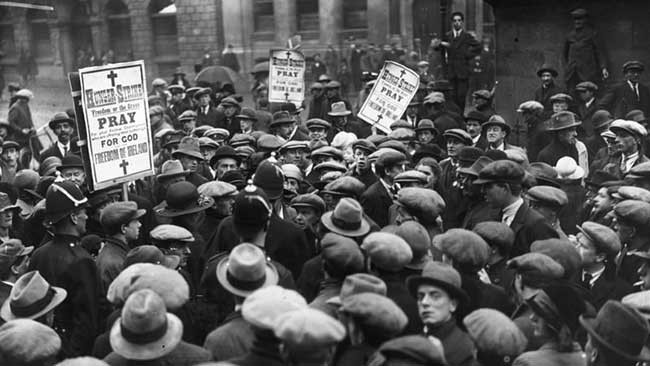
237 28
97 35
330 19
406 23
55 39
284 14
66 46
378 21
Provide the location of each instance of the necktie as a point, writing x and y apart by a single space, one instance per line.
65 150
586 280
635 89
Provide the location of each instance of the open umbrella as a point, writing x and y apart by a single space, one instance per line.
213 74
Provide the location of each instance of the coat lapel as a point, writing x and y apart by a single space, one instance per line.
520 218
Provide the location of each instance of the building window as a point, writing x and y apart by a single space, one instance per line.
163 24
355 14
263 16
307 13
41 43
119 31
7 40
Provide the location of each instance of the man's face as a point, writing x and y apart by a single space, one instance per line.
306 217
602 201
494 194
296 156
568 136
316 92
291 184
224 165
189 162
207 152
177 97
547 78
316 133
180 249
6 219
332 92
189 125
412 110
395 170
340 121
434 305
625 142
495 135
425 136
204 100
154 119
132 230
454 146
457 22
473 128
560 107
479 102
285 130
624 230
223 205
585 95
10 156
579 23
75 175
361 159
426 170
612 146
633 75
230 110
587 250
246 124
63 131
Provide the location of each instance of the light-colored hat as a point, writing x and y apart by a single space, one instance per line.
28 341
25 93
292 171
346 219
217 189
245 270
171 169
171 232
31 297
567 168
82 361
339 109
145 331
308 328
263 307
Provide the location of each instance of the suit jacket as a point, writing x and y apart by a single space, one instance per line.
376 201
457 345
234 338
529 226
51 151
458 55
621 99
607 287
584 54
548 355
214 117
185 354
585 113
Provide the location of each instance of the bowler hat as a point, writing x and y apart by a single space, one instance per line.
60 117
245 270
120 213
62 199
150 254
339 109
263 307
70 161
633 65
441 275
547 68
31 297
281 117
359 283
182 198
474 115
427 125
224 152
467 155
496 120
171 169
603 238
269 177
188 146
145 331
620 329
504 171
386 251
346 219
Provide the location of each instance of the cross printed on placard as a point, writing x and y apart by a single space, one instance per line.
123 165
112 75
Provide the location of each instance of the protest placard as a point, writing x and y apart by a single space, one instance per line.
394 88
286 76
116 114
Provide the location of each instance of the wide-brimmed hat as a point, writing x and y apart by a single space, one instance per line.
280 118
171 169
427 125
547 68
224 152
346 219
601 119
339 109
358 283
497 120
60 117
14 248
188 146
245 270
441 275
31 298
182 199
562 121
63 198
145 331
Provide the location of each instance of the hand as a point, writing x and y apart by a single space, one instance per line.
435 43
605 74
444 44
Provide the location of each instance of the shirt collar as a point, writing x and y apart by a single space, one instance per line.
594 276
510 211
588 104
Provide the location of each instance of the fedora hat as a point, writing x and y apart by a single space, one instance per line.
188 146
497 120
171 169
339 109
547 68
245 270
346 219
14 248
441 275
145 331
31 298
620 329
281 117
59 117
562 120
182 199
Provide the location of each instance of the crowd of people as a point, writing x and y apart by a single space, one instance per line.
458 238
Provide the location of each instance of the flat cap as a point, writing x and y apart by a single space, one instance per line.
411 176
494 333
390 158
603 238
308 328
295 145
155 110
544 174
410 350
504 171
240 139
400 123
636 115
632 193
364 144
417 237
548 196
482 93
561 97
28 341
631 127
292 171
424 203
375 312
187 115
309 200
264 306
318 123
328 166
434 98
586 85
345 186
207 142
530 106
217 133
496 234
464 247
229 102
328 151
469 154
634 212
563 252
171 232
639 301
641 170
392 144
402 134
270 142
359 283
341 255
387 251
579 13
633 65
120 213
458 134
217 189
537 267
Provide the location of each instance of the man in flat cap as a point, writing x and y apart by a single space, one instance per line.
482 103
587 105
632 218
378 197
317 92
548 201
456 140
629 139
584 52
629 94
502 182
598 246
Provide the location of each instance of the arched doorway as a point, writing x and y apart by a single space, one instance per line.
119 31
